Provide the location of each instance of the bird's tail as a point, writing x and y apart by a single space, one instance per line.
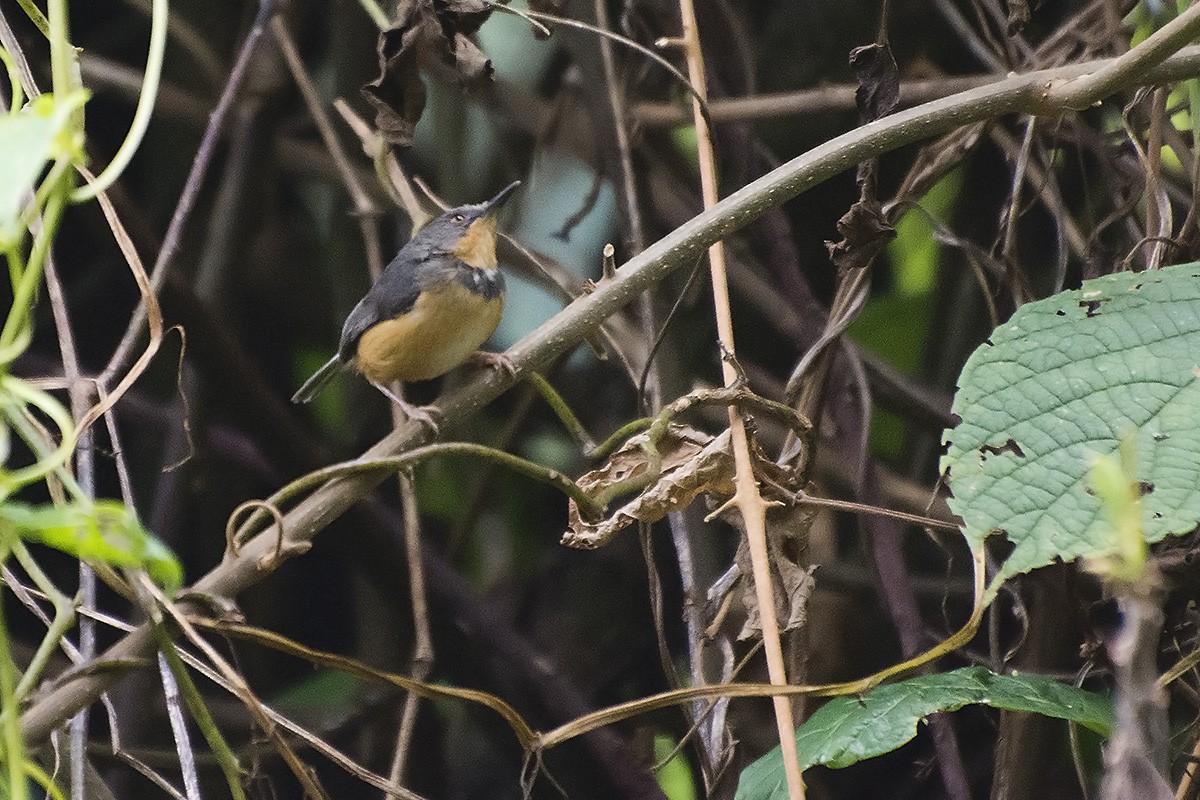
317 382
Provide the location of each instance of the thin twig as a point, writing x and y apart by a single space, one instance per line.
697 93
191 41
421 662
179 730
141 114
832 98
1009 225
84 466
364 207
749 502
367 212
191 188
1081 92
635 230
1158 207
616 101
85 472
968 35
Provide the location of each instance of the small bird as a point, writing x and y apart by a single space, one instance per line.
433 306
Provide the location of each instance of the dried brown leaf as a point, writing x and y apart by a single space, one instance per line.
878 79
864 228
1018 16
793 582
937 159
423 31
865 233
693 463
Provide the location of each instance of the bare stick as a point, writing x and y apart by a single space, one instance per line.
749 502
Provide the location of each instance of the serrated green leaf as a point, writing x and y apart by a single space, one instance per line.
847 730
28 139
104 531
1059 385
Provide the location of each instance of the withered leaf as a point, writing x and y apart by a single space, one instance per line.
422 31
878 91
692 463
793 582
865 232
864 229
793 588
1018 16
937 159
398 94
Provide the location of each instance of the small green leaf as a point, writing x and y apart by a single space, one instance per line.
29 138
847 730
684 137
1113 482
675 777
104 531
1059 385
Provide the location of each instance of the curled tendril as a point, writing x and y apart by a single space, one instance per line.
233 542
16 396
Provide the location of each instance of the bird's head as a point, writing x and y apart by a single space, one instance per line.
469 232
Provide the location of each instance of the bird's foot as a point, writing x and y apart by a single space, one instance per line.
486 358
424 415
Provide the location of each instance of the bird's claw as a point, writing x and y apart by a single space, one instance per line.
423 415
498 361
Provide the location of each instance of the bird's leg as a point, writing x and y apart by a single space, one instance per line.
486 358
424 415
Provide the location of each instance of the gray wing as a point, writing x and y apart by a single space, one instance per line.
393 294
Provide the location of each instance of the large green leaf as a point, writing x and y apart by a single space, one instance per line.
847 730
28 139
104 531
1062 383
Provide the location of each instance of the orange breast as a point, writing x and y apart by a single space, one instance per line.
444 326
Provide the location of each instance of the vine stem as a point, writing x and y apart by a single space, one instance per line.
141 116
747 498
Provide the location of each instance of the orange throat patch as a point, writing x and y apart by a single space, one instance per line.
477 247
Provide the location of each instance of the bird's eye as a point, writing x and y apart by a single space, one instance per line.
458 218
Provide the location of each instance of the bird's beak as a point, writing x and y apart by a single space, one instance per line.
477 247
492 207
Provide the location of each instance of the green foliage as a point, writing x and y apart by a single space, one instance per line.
847 730
684 138
915 252
325 691
1059 386
1112 479
29 138
675 776
894 326
104 531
